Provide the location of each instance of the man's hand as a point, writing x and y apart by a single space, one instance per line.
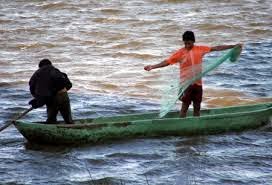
159 65
36 102
148 68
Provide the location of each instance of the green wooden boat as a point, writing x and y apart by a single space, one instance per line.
212 121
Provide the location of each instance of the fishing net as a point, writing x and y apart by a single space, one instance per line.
189 75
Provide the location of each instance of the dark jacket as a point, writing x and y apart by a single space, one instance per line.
46 82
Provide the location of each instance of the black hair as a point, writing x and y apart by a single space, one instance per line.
44 62
188 36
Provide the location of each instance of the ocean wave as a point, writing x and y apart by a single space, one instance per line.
35 45
11 84
4 21
209 26
134 55
131 44
57 5
112 20
134 156
111 10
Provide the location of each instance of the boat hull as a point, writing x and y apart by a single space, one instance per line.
213 121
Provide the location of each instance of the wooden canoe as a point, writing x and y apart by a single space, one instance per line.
212 121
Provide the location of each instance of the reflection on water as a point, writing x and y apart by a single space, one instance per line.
226 97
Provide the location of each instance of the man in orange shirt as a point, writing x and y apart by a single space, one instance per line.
189 56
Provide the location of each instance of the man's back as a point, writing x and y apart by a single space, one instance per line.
42 81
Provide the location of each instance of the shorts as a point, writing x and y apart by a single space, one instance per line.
192 94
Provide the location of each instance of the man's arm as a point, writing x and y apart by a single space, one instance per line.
224 47
67 82
60 80
159 65
32 84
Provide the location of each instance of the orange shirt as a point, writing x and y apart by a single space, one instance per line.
190 61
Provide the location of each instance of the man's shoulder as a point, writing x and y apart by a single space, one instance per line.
180 50
46 68
202 48
55 70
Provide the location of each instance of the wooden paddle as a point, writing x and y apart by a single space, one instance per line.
16 118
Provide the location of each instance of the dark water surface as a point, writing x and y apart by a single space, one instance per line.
103 46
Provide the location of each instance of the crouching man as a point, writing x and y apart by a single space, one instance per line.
49 86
